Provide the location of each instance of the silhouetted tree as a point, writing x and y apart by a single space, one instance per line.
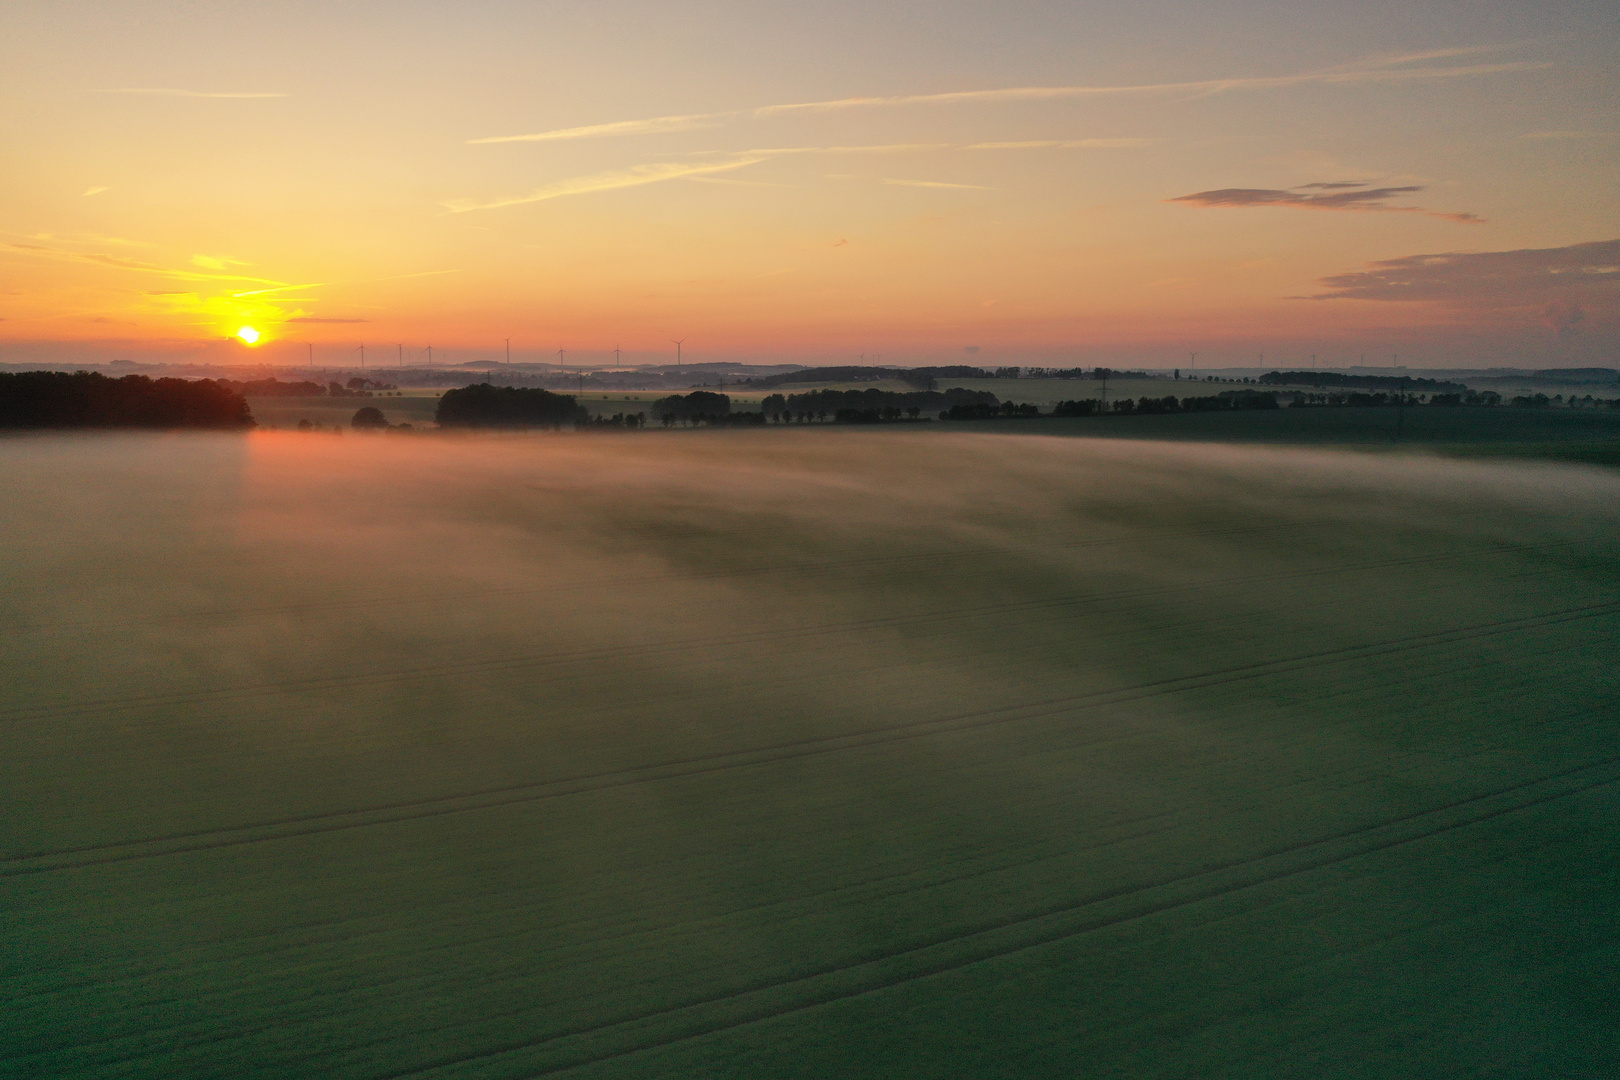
369 419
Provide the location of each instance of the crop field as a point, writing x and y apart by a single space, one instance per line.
813 753
414 407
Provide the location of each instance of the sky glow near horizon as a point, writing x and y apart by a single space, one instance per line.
1049 182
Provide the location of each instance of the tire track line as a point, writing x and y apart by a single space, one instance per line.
878 981
333 821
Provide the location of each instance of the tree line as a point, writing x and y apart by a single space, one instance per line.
83 399
273 387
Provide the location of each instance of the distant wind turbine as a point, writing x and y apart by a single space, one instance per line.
678 345
362 356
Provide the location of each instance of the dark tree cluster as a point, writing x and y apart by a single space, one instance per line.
369 418
1053 373
1353 400
686 407
989 410
1229 400
1488 397
620 421
817 402
484 406
1360 382
56 399
888 415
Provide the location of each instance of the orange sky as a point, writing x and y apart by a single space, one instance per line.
1038 181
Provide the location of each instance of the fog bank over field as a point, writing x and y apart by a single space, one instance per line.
800 753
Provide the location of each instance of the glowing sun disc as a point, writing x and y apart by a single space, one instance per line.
248 334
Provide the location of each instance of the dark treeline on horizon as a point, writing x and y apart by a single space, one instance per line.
816 401
57 399
273 387
1360 382
484 406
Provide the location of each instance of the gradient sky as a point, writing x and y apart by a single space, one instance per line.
1042 182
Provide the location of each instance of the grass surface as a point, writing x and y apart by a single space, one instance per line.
804 754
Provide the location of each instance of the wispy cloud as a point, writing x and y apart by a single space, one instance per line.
1065 144
96 190
935 184
216 262
156 91
312 319
123 262
1570 135
731 181
884 148
1526 277
1409 67
1332 195
635 176
655 126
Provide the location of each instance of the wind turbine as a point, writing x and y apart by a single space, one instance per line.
400 345
362 356
508 352
678 345
616 361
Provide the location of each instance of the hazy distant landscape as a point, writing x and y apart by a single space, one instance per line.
803 753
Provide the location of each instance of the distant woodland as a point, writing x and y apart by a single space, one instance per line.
484 406
57 399
273 387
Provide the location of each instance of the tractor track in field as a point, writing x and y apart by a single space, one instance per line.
338 820
1317 854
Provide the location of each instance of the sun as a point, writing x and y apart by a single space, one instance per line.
248 335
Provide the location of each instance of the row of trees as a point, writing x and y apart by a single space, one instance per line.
1223 402
1359 382
273 387
57 399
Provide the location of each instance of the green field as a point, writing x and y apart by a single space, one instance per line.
945 751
